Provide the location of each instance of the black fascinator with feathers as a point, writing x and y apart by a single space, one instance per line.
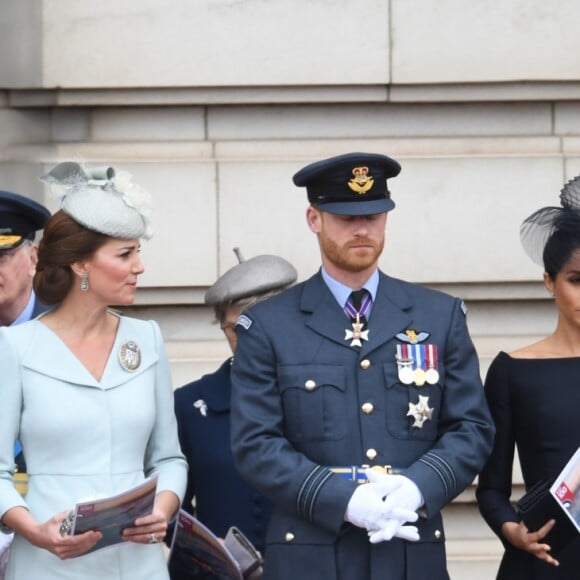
539 227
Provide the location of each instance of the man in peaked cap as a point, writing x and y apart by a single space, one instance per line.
354 377
202 409
20 219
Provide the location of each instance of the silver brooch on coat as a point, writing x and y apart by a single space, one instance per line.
130 356
202 406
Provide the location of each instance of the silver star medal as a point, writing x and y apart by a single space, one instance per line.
357 333
201 405
420 411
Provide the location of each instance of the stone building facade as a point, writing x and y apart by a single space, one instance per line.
214 104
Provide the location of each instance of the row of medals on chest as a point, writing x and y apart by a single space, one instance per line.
417 363
410 372
410 369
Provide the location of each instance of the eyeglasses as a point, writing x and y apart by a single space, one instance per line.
7 255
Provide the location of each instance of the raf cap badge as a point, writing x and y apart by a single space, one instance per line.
361 182
130 356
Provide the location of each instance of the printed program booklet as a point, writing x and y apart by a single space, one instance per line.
566 489
196 553
557 499
113 514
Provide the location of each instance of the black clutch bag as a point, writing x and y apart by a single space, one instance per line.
537 506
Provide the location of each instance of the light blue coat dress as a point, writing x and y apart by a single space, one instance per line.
84 438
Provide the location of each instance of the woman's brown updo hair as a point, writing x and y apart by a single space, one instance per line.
63 243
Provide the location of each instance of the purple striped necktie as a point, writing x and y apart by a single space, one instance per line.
358 304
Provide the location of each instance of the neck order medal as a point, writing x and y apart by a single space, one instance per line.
357 334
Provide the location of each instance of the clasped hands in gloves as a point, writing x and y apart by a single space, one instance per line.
384 506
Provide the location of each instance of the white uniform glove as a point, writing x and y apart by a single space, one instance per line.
401 495
401 498
395 529
366 508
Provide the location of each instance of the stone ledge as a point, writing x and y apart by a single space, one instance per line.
405 93
571 145
484 291
296 149
197 96
485 92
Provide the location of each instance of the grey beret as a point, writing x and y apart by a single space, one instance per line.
251 277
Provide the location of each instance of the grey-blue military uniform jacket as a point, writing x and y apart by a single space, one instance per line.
300 404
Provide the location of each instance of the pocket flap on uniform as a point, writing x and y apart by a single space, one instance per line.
311 376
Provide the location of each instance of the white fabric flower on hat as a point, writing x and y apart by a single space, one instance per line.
136 197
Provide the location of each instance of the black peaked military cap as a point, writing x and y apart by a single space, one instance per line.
20 218
349 184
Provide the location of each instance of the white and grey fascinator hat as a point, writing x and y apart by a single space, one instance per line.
537 229
102 200
251 278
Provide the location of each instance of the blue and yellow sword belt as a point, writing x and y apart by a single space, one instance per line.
357 473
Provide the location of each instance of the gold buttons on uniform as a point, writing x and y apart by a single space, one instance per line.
437 534
289 537
371 453
310 385
365 364
367 408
